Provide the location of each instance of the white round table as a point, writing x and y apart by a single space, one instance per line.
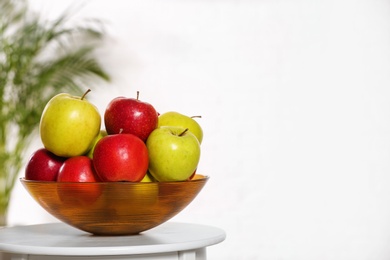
60 241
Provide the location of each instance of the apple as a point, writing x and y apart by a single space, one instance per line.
130 116
78 178
121 157
43 166
173 118
101 134
174 153
77 169
69 125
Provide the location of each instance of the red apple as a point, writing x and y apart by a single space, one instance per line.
79 177
43 166
77 169
121 157
130 116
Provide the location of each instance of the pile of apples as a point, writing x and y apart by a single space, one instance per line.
137 144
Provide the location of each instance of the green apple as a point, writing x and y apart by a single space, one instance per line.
69 125
177 119
101 134
174 153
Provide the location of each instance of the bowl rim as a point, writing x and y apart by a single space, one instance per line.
200 178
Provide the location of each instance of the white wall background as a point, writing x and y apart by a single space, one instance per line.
295 100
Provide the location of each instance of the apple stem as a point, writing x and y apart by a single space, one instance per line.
196 116
120 130
86 92
137 95
182 133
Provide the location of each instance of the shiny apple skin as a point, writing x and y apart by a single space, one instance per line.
77 169
121 157
43 165
76 173
69 125
130 116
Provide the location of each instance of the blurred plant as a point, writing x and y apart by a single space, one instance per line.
38 59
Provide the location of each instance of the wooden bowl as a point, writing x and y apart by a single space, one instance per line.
114 208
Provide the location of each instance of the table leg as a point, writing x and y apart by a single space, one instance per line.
198 254
9 256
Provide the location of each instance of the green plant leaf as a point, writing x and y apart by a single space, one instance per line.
38 59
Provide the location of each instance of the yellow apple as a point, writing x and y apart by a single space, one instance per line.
174 153
173 118
69 125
